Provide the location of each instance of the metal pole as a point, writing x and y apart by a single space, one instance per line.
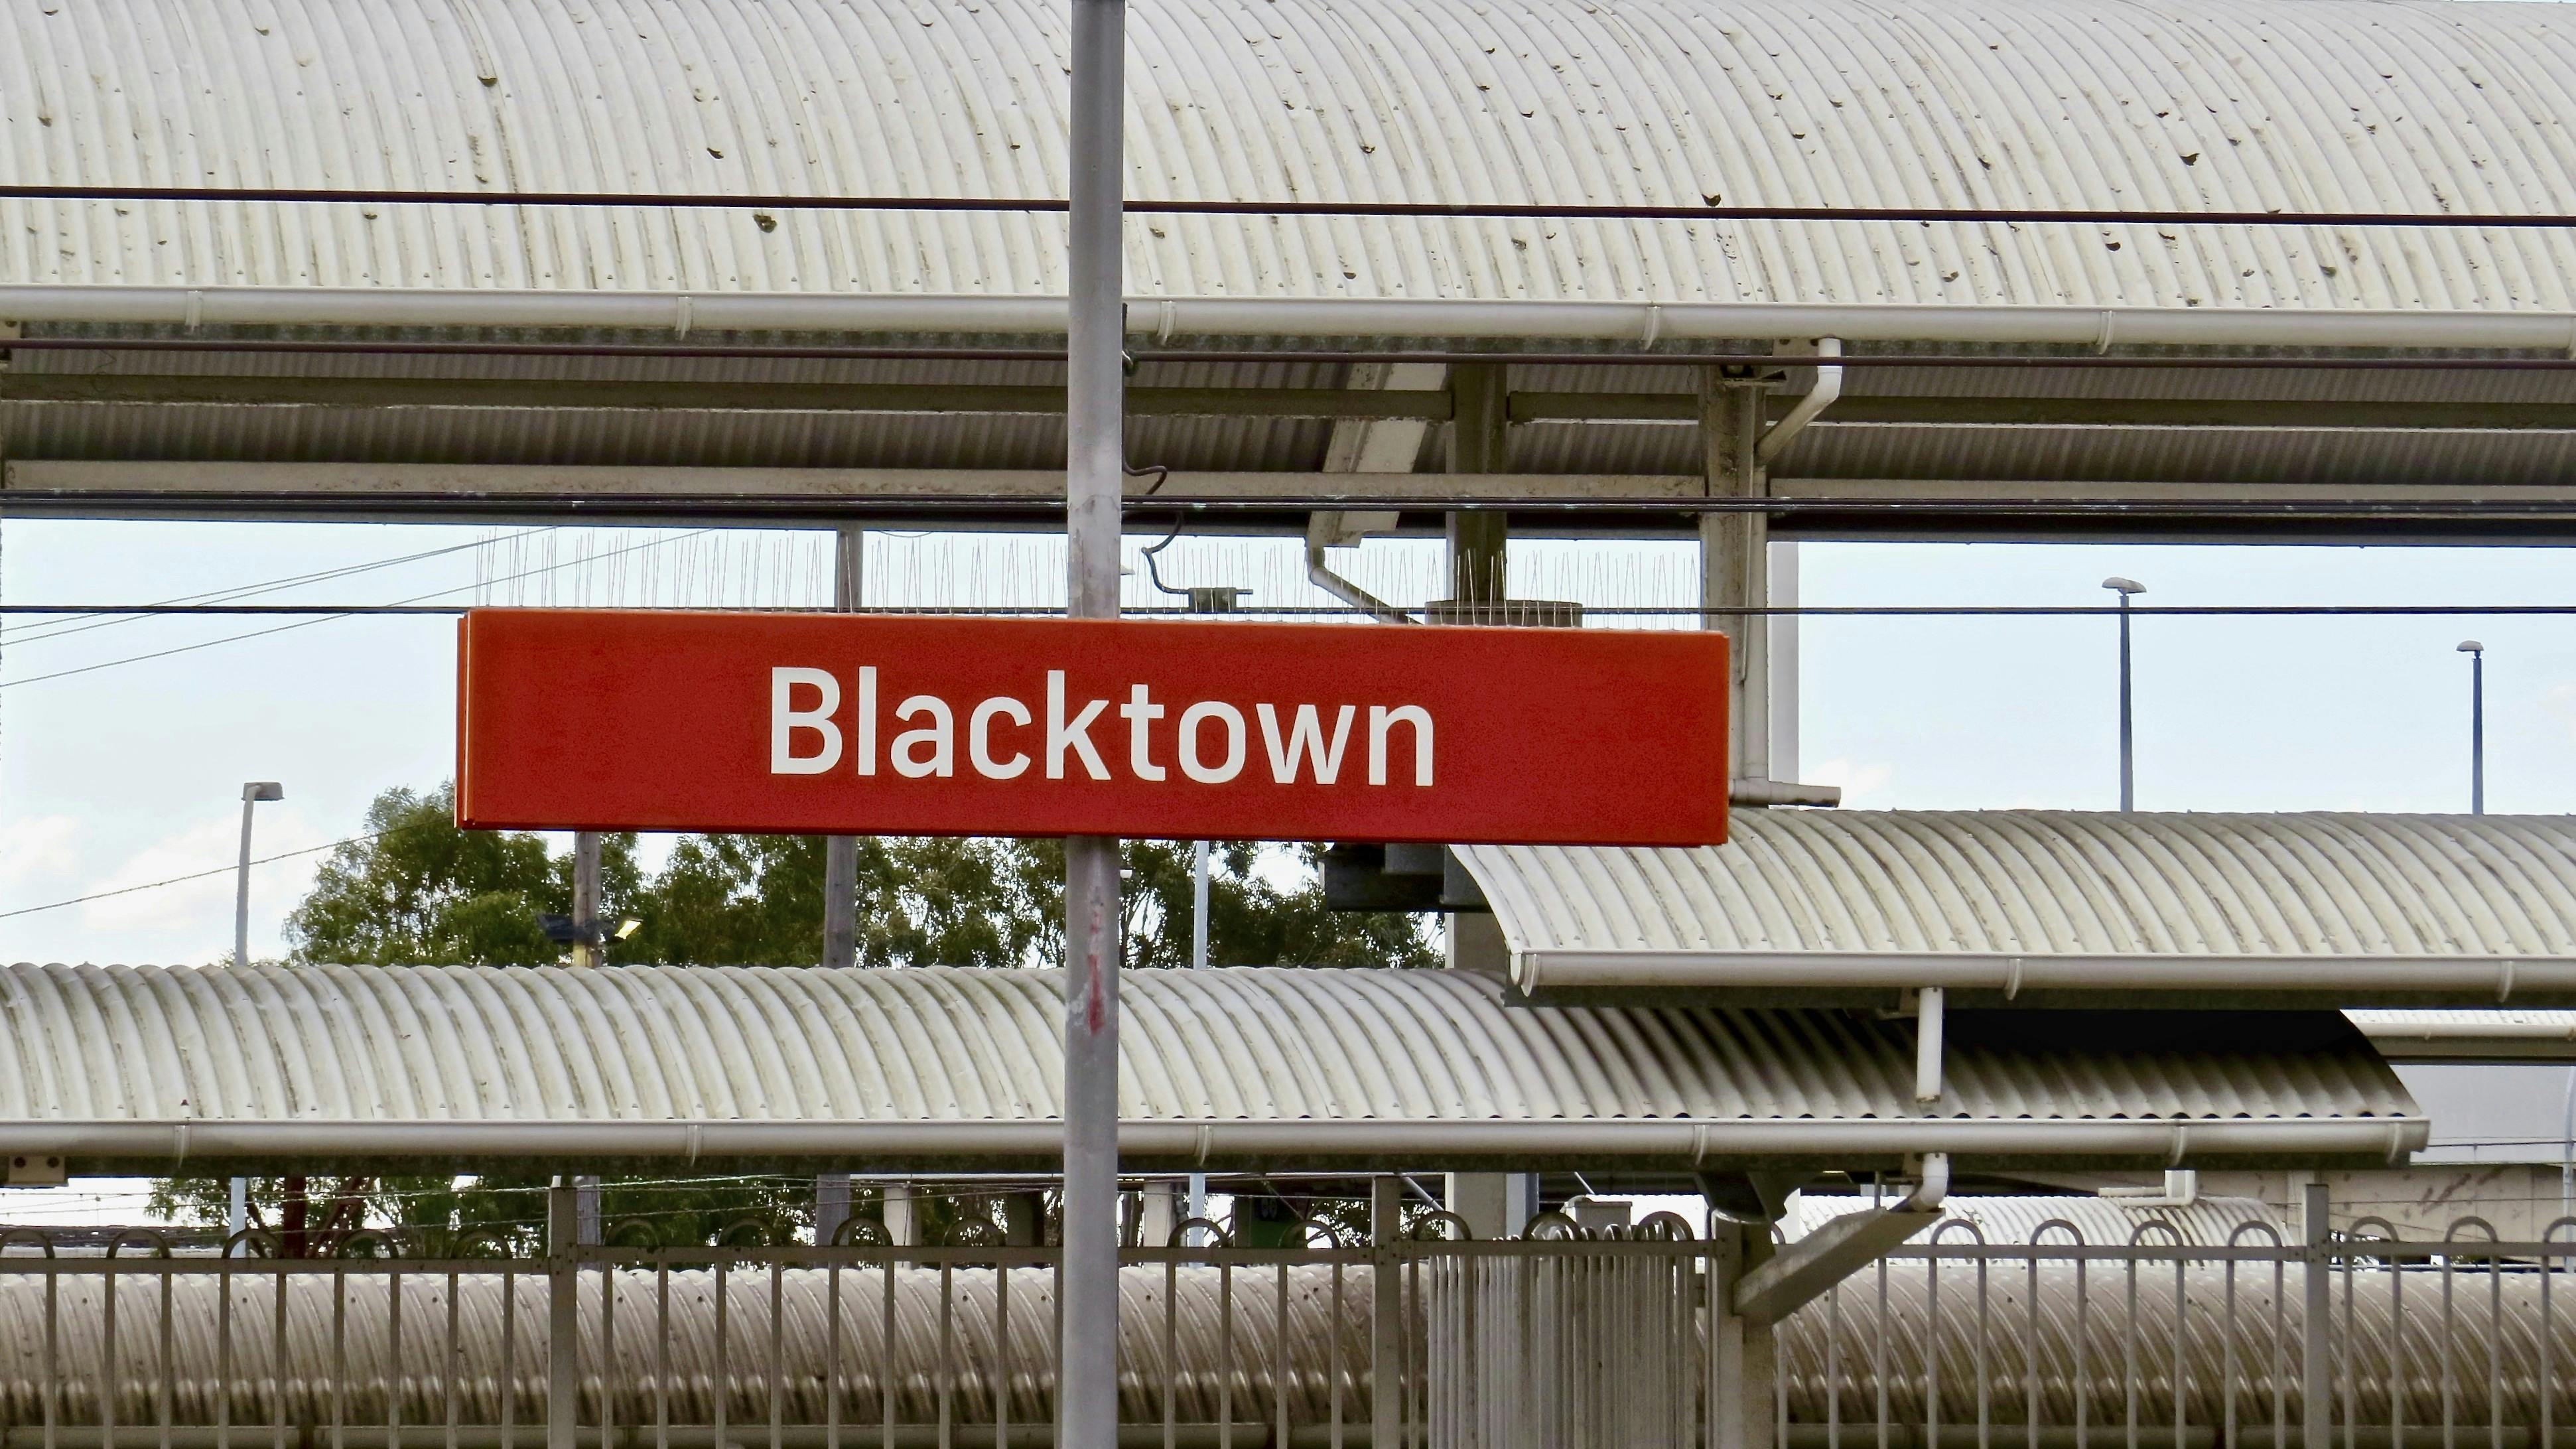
1198 962
241 893
1095 452
2478 733
587 936
841 852
563 1317
2128 772
2316 1347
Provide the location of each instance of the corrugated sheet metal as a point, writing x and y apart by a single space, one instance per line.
2204 1222
162 1044
2048 882
2186 104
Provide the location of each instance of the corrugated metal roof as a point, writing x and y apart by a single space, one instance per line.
2246 104
658 1044
2056 883
2206 1221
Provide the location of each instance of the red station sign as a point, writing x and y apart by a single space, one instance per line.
884 725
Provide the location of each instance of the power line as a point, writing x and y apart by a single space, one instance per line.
1256 611
1569 357
342 613
193 875
1426 210
31 633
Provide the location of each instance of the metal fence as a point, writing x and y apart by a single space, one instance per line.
1554 1340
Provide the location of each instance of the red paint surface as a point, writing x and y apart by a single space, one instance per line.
664 721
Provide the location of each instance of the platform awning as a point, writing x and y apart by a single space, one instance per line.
160 1069
2054 908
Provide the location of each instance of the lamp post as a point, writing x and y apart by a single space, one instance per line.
237 1209
2127 589
2477 653
252 793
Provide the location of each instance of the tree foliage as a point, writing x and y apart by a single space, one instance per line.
417 889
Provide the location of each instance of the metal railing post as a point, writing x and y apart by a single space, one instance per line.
1386 1313
2316 1340
563 1315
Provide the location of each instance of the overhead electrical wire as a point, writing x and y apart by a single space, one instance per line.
1771 611
324 617
192 875
219 600
1712 210
826 352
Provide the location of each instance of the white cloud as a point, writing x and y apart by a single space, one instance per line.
1858 778
39 849
204 906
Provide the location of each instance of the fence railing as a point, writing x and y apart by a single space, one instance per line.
1558 1340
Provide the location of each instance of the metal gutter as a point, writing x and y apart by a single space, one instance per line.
1166 1144
2467 978
1644 323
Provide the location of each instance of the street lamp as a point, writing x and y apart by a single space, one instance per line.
2127 589
252 794
238 1209
2477 653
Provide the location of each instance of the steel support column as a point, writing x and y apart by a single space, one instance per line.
1734 562
563 1316
1094 478
841 852
1386 1313
1479 442
2316 1336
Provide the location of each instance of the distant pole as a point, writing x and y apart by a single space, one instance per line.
1095 473
2477 653
1198 962
2126 589
841 852
588 938
252 793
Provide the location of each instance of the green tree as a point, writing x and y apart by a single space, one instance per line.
498 1214
417 890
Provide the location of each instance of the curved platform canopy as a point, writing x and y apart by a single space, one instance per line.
2054 908
405 1068
2356 107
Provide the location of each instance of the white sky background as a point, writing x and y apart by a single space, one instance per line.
132 773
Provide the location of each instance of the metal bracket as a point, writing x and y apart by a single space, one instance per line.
35 1169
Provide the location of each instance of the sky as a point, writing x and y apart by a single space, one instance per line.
124 745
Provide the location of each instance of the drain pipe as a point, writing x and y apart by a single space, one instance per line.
1804 1270
1828 389
1321 575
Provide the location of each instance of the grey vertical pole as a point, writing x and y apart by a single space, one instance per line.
586 932
563 1317
2128 774
2316 1366
1095 455
831 1206
241 893
1386 1314
2476 733
1198 962
841 852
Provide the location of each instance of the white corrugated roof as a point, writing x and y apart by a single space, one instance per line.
473 1050
2040 883
2328 105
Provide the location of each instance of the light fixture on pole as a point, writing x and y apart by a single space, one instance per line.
252 794
2127 589
2477 653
